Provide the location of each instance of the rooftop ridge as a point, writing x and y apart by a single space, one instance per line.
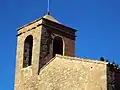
75 59
29 23
48 17
81 59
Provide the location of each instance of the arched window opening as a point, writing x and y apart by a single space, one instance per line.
28 44
57 46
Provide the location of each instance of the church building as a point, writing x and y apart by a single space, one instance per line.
45 60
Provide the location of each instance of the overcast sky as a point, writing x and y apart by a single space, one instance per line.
97 22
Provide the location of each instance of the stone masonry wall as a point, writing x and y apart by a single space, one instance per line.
65 73
62 72
25 78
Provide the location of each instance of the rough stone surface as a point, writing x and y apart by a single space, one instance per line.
61 72
66 73
47 37
27 78
20 76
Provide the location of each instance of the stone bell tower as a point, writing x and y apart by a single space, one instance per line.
37 43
